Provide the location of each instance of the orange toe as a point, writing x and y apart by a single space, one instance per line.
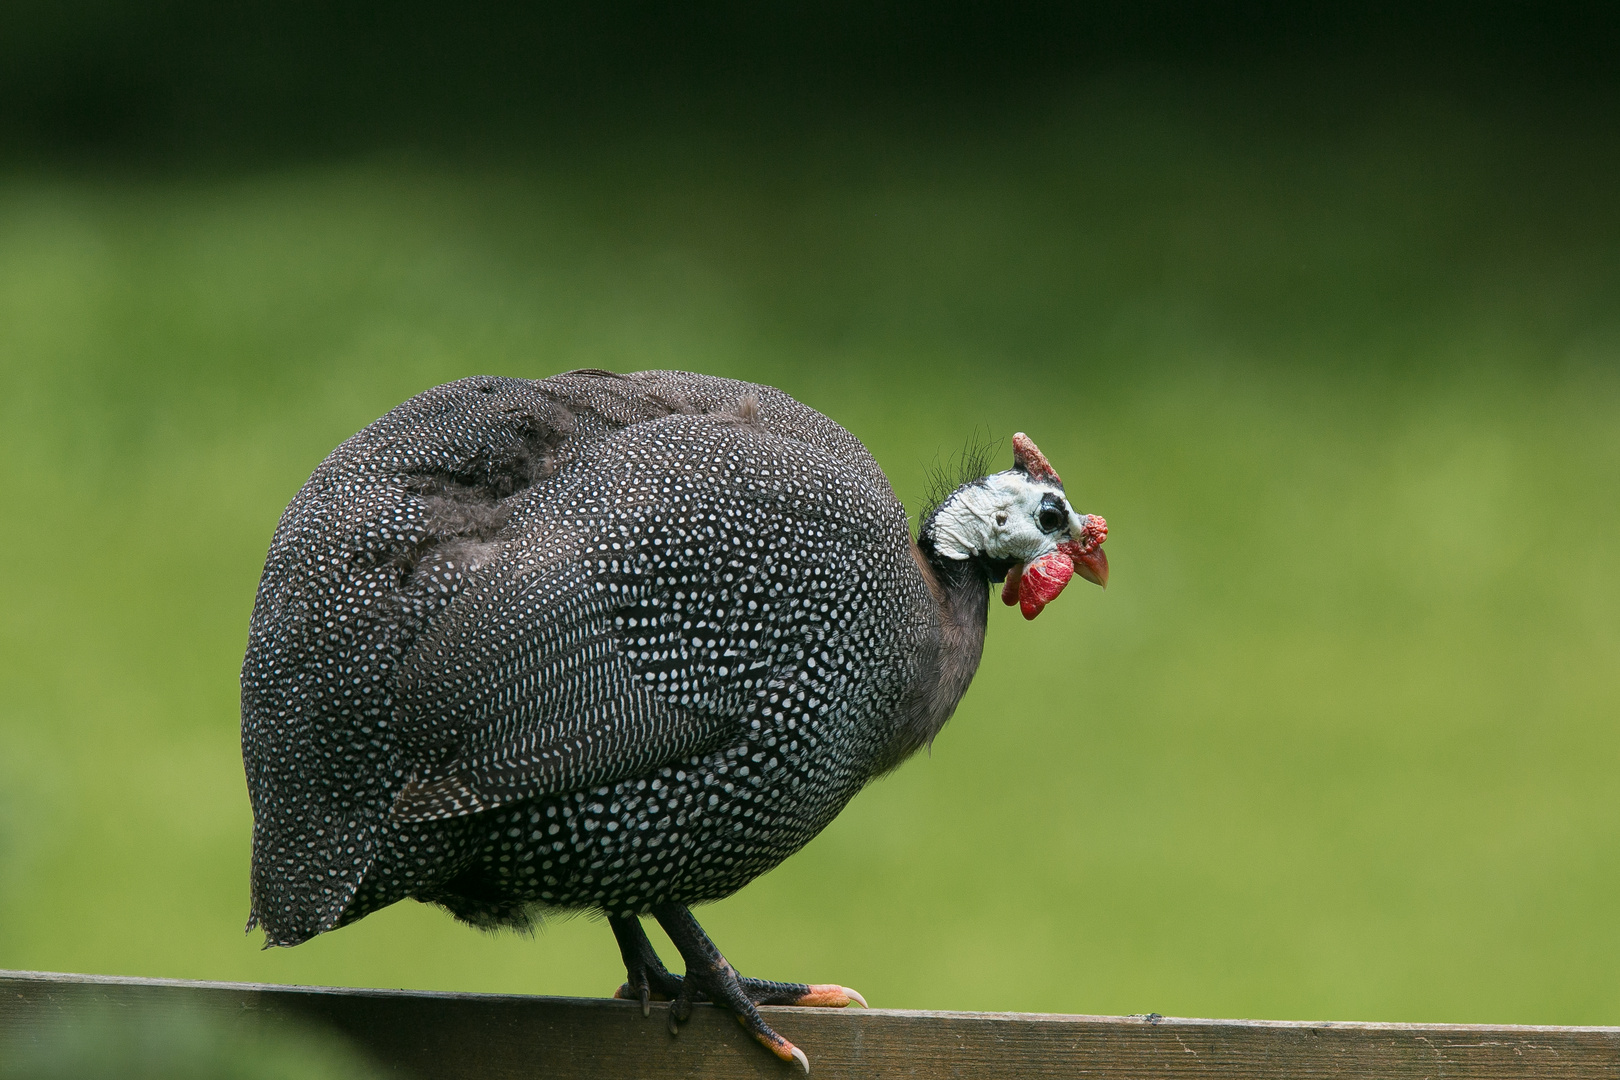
831 996
782 1048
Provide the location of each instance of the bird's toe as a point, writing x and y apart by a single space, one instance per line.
776 1044
830 996
646 995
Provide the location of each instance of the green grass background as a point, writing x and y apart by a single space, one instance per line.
1339 741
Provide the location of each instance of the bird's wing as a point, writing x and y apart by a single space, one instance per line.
649 602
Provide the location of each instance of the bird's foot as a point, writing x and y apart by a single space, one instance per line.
646 977
719 982
709 976
660 985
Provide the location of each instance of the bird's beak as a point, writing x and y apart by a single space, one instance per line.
1086 550
1093 566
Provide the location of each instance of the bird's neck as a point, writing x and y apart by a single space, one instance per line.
961 592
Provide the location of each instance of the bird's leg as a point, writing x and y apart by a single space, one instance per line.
645 974
709 975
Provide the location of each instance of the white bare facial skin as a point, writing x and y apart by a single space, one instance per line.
1000 519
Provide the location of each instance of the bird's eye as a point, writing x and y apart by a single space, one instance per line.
1053 515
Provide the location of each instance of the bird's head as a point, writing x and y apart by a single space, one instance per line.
1019 525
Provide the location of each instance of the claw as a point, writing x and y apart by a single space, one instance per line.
832 996
625 993
680 1011
804 1062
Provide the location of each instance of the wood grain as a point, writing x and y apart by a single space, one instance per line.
495 1037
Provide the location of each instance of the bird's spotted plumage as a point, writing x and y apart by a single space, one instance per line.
585 642
604 642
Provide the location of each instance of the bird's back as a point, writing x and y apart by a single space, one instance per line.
504 591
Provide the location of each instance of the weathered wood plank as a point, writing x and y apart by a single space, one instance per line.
496 1037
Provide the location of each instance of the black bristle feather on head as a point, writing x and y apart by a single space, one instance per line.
972 462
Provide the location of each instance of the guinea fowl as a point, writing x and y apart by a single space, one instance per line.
616 643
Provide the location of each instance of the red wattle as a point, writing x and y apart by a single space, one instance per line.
1042 580
1009 591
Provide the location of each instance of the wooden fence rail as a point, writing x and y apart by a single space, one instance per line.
437 1036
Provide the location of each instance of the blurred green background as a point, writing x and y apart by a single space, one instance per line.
1320 307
